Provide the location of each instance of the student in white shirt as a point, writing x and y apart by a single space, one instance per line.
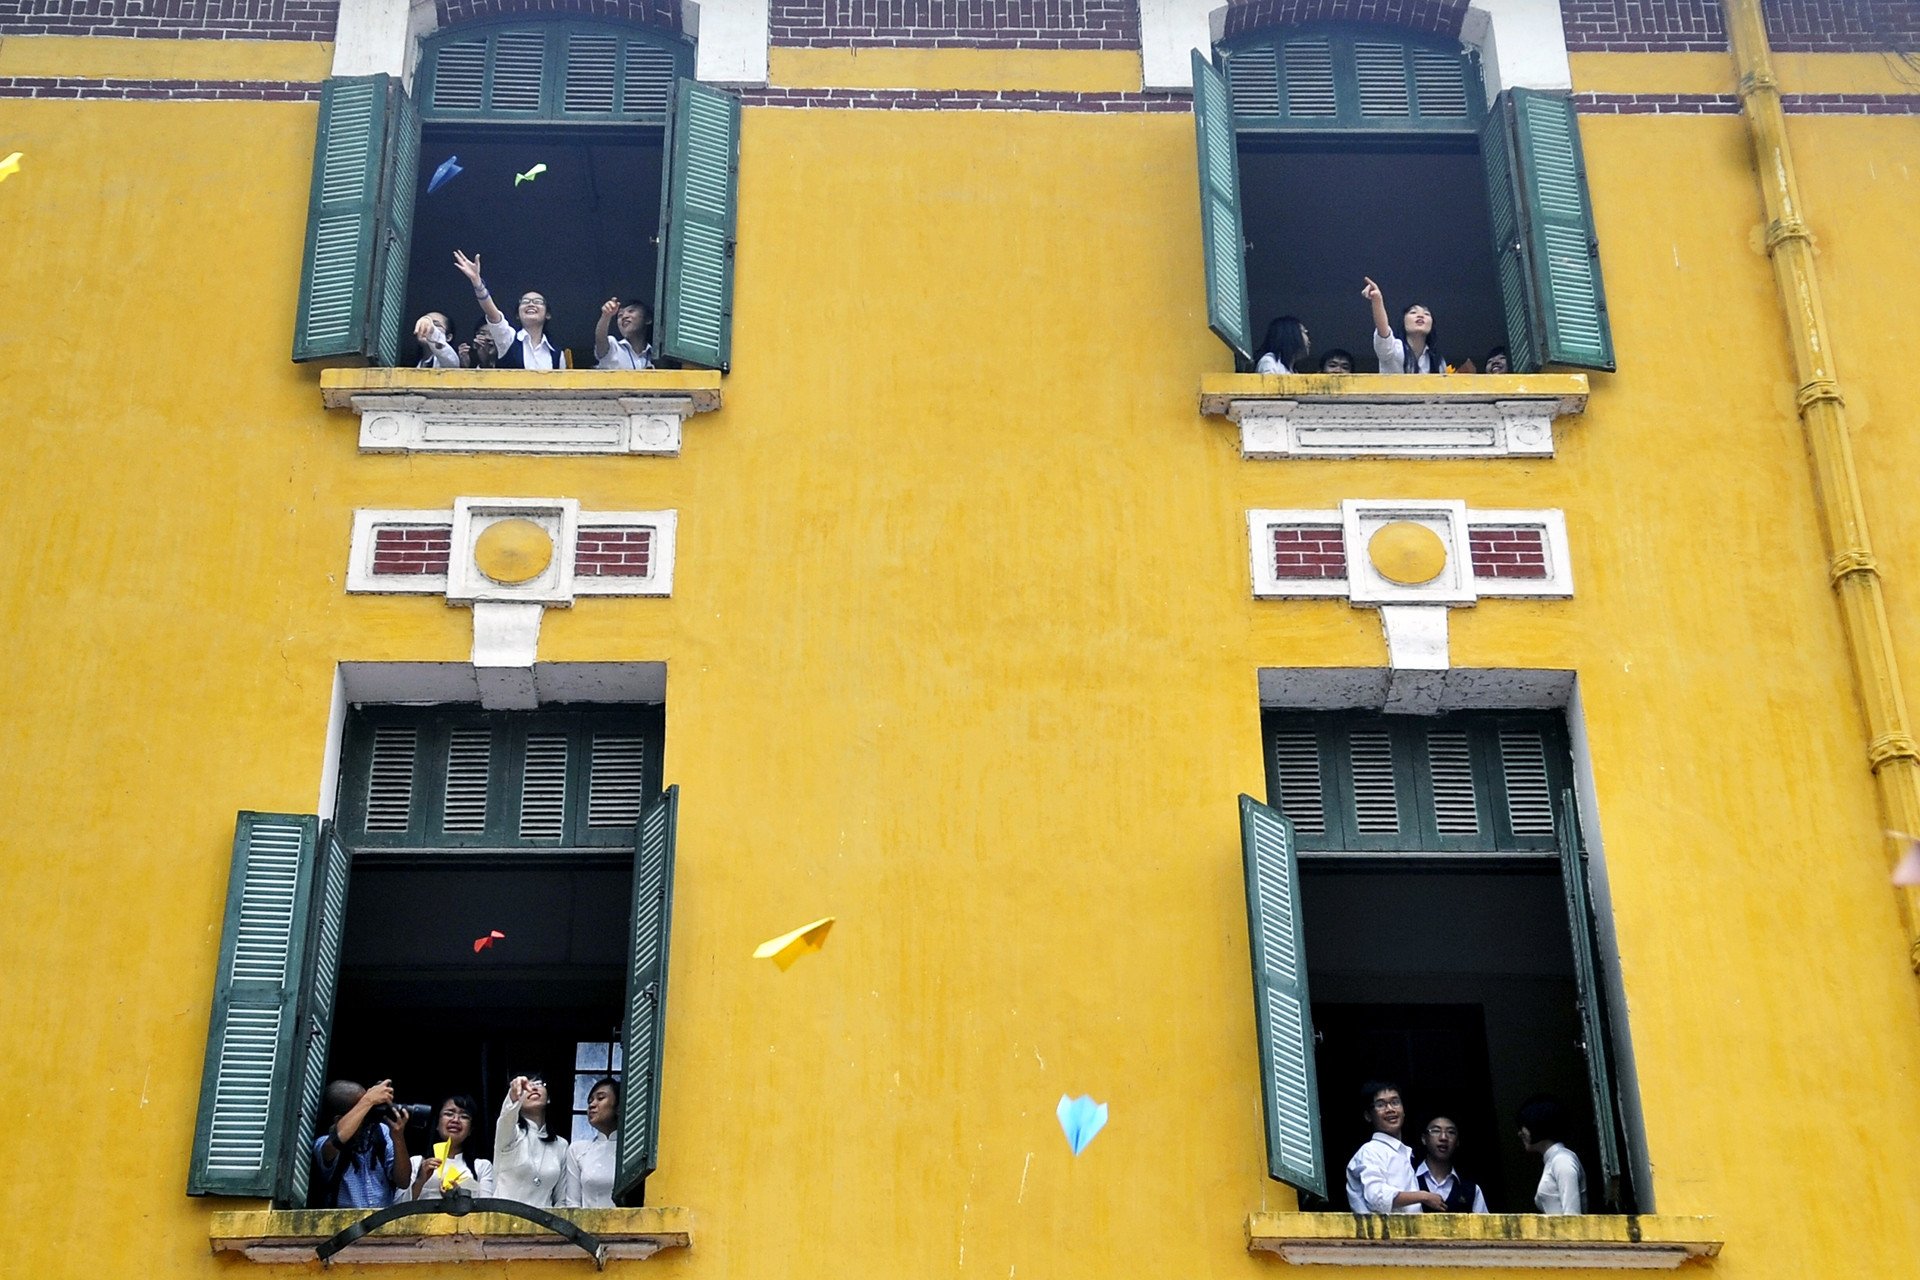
529 1158
1563 1183
454 1126
527 347
631 346
1287 344
1380 1176
590 1162
435 336
1441 1140
1415 353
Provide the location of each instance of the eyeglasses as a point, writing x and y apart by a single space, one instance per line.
1443 1131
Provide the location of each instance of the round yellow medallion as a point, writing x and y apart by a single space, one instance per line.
1407 553
513 551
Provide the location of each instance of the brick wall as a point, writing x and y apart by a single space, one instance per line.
1508 553
174 19
1310 551
1418 15
1794 26
659 13
1013 24
412 550
613 553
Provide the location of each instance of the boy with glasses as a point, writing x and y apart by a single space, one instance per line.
1441 1139
1380 1177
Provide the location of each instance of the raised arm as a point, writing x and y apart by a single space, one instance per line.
607 311
470 268
1372 294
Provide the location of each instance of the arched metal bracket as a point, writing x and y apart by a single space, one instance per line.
459 1204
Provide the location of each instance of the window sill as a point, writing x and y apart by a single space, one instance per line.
1506 1240
292 1235
1371 415
513 411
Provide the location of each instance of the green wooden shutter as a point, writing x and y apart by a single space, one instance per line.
336 301
1281 1010
395 230
1566 251
694 306
1221 235
646 1025
314 1024
1512 257
1593 1014
245 1087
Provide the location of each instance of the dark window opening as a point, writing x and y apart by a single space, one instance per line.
1458 986
579 233
1322 213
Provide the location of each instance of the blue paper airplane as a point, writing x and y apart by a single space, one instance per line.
449 170
1080 1119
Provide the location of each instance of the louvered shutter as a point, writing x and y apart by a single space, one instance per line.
1221 235
246 1086
1593 1013
343 215
1565 250
395 229
644 1035
694 305
314 1024
1512 257
1281 1009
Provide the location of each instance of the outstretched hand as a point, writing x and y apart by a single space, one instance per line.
517 1090
423 329
469 267
1372 292
610 307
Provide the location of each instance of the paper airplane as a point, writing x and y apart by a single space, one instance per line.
481 944
449 170
1080 1119
10 166
529 175
1906 873
788 947
450 1173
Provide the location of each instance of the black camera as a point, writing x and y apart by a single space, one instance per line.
417 1112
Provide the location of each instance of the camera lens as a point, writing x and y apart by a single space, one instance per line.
418 1112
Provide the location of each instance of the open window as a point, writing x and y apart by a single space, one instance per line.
637 198
349 947
1428 874
1333 152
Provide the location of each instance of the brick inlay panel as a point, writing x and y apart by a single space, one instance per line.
653 13
170 90
1508 553
1699 26
172 19
613 553
1310 551
412 550
1022 24
966 100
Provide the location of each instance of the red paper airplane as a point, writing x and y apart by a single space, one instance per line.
481 944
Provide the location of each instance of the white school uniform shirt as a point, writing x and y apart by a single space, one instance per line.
1563 1183
525 1168
1270 363
477 1183
1382 1167
1393 357
440 355
622 354
1443 1187
532 357
590 1172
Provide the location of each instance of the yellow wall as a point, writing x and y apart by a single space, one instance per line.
961 651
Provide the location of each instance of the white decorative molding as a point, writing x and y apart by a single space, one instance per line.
506 639
730 40
1394 415
1170 30
1522 43
375 36
498 424
446 536
467 583
1362 518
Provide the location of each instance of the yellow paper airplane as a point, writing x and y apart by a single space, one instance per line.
10 166
788 947
450 1174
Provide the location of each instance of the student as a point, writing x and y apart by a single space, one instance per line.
1414 353
1441 1139
1497 361
436 349
632 346
1287 344
1380 1175
454 1126
527 347
1543 1131
590 1161
480 353
529 1159
1338 360
360 1159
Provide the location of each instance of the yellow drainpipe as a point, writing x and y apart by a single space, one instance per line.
1851 567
